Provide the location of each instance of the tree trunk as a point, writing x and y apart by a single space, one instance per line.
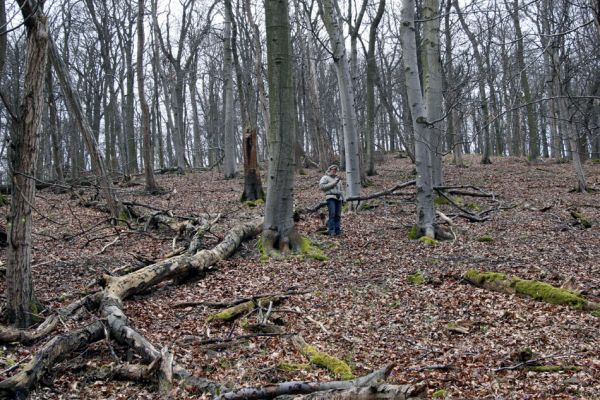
21 307
371 78
485 159
74 106
279 231
333 24
228 112
253 189
534 146
151 186
425 207
57 152
432 82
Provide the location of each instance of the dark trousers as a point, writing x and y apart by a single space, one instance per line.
335 216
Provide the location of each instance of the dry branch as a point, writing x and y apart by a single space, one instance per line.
10 334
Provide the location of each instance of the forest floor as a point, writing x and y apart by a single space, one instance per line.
360 305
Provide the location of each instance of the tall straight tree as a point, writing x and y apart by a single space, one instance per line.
333 24
20 300
534 147
228 110
485 158
422 128
151 186
279 230
432 82
371 78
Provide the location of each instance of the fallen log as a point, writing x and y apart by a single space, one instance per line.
117 289
336 366
541 291
363 384
57 349
384 391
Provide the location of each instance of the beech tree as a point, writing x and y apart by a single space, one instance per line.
279 230
422 128
333 23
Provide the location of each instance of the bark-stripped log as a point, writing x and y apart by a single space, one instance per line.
384 391
116 290
303 388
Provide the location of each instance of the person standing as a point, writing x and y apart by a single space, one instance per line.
331 184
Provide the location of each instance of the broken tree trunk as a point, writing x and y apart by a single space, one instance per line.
253 189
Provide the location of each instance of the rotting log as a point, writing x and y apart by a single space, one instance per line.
384 391
242 308
326 389
117 289
336 366
57 349
541 291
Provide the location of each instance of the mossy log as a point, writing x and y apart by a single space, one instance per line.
243 308
541 291
369 387
336 366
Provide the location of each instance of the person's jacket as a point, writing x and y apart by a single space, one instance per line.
332 187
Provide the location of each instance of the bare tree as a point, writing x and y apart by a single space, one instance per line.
279 231
21 306
151 186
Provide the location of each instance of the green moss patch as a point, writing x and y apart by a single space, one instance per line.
260 246
417 278
336 366
485 239
310 250
439 394
581 219
255 203
428 241
413 233
479 278
440 201
547 293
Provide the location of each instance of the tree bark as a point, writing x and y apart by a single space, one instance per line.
279 230
74 106
425 206
432 82
151 186
371 78
253 189
228 109
21 305
333 24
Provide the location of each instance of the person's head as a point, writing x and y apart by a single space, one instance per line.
332 170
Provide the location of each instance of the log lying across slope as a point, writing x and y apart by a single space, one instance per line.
117 289
159 362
